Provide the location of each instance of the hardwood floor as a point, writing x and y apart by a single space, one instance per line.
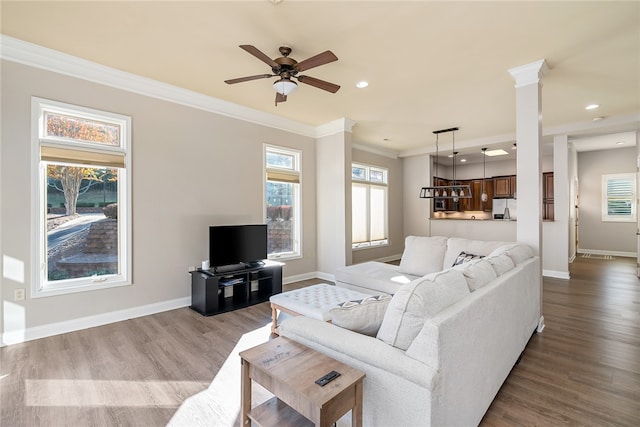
180 368
584 368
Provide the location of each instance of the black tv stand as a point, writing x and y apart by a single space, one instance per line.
215 291
254 264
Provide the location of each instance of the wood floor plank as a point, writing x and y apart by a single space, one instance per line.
584 369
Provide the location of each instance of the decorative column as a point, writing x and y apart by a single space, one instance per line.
529 163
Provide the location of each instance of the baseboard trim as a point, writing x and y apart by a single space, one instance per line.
556 274
28 334
298 277
612 253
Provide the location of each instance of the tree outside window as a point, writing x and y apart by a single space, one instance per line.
83 194
282 202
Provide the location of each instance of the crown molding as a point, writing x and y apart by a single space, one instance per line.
527 74
15 50
336 126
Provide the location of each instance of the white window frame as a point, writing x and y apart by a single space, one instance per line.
605 198
40 285
366 181
289 175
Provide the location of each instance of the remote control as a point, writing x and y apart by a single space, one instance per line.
326 379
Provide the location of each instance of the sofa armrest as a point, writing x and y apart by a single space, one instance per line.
338 342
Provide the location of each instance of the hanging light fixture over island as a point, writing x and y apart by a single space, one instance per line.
453 191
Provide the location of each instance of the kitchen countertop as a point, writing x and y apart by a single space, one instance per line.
473 219
481 219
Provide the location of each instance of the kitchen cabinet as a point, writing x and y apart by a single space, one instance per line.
488 188
547 196
504 186
475 202
466 204
441 204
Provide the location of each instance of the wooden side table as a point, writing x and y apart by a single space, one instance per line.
289 371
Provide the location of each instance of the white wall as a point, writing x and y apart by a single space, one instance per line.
596 236
333 155
191 169
416 211
493 168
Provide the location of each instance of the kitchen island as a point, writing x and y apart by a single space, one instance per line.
477 229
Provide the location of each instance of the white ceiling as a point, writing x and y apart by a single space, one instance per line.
430 65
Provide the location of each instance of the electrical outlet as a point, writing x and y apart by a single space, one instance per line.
18 294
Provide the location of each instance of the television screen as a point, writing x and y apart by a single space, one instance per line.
236 244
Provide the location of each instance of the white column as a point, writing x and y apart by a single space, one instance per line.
556 234
333 196
529 164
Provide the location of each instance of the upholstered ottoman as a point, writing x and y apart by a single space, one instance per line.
311 301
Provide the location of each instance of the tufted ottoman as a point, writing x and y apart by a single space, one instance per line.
311 301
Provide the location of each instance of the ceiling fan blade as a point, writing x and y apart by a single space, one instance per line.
320 84
280 98
261 56
246 79
315 61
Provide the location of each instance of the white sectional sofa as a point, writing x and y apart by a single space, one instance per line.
447 339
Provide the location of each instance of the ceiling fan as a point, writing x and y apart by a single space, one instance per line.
287 69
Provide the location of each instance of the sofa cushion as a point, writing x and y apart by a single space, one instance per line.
518 252
378 277
363 316
423 255
417 301
477 273
501 263
455 245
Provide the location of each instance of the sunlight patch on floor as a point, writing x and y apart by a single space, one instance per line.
219 404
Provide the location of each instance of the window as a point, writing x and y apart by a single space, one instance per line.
618 197
282 202
81 167
368 206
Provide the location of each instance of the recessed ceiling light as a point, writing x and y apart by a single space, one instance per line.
591 107
362 84
463 160
515 146
620 143
499 152
597 119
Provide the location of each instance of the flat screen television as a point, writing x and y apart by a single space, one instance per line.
237 244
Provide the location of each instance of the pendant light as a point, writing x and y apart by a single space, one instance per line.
484 196
453 191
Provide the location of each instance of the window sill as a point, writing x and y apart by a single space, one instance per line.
76 288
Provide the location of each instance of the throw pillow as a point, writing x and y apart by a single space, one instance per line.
477 273
465 257
455 245
417 301
501 263
422 255
363 316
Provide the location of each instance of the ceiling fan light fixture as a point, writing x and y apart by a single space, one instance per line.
285 86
